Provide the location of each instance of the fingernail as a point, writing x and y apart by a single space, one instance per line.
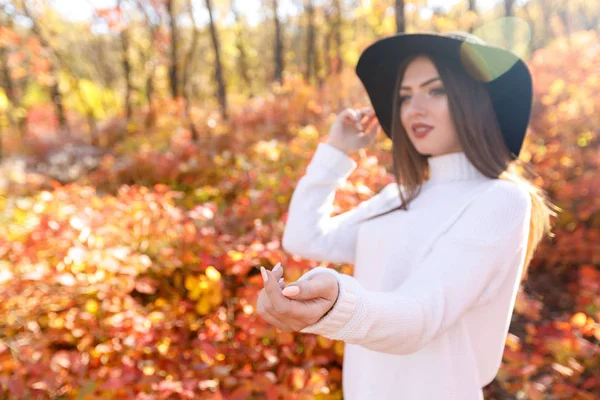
277 266
291 291
263 272
280 281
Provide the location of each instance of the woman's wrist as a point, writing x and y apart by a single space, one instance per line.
337 146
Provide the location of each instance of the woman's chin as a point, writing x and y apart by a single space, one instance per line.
433 151
424 150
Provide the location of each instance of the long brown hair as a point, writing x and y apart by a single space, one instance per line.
481 140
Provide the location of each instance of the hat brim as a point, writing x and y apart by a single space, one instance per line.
504 74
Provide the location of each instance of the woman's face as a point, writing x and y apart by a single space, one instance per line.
424 110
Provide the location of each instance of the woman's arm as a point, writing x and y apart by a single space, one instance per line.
310 231
465 267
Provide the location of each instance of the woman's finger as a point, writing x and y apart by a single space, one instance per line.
374 127
277 271
279 302
363 126
326 287
369 137
263 308
372 121
365 112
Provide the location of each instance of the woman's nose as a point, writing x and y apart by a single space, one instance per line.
416 105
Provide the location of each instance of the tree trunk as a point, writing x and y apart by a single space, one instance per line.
590 20
278 45
10 89
222 95
338 36
328 39
508 8
174 45
150 63
186 75
310 42
8 84
55 93
126 70
473 8
563 15
57 98
400 19
243 58
547 33
151 117
508 12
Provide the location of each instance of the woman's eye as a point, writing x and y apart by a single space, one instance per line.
402 98
438 91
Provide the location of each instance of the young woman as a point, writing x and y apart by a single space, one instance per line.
439 255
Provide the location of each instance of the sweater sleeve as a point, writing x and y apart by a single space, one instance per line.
465 265
310 231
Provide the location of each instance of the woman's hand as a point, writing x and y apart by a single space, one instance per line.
353 129
291 309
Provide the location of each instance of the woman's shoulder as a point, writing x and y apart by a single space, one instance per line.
503 207
506 192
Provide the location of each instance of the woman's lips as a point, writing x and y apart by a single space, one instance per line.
421 130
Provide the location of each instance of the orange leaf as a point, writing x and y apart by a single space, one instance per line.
579 319
241 393
146 285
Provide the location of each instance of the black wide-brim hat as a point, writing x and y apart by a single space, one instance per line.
503 73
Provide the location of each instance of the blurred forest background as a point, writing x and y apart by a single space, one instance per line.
150 149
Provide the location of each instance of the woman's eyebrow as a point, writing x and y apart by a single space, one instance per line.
427 82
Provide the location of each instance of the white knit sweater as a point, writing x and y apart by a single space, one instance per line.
426 314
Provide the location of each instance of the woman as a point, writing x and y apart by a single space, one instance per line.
438 256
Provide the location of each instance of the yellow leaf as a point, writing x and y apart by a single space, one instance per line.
18 73
235 255
156 316
203 306
216 298
160 302
91 306
338 348
513 342
163 346
3 101
308 132
190 282
56 323
148 370
298 378
218 160
195 293
579 319
212 274
557 87
204 285
325 342
177 280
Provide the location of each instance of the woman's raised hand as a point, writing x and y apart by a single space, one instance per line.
353 129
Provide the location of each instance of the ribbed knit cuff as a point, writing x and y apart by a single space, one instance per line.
331 324
328 157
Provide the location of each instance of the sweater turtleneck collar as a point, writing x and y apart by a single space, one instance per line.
452 167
